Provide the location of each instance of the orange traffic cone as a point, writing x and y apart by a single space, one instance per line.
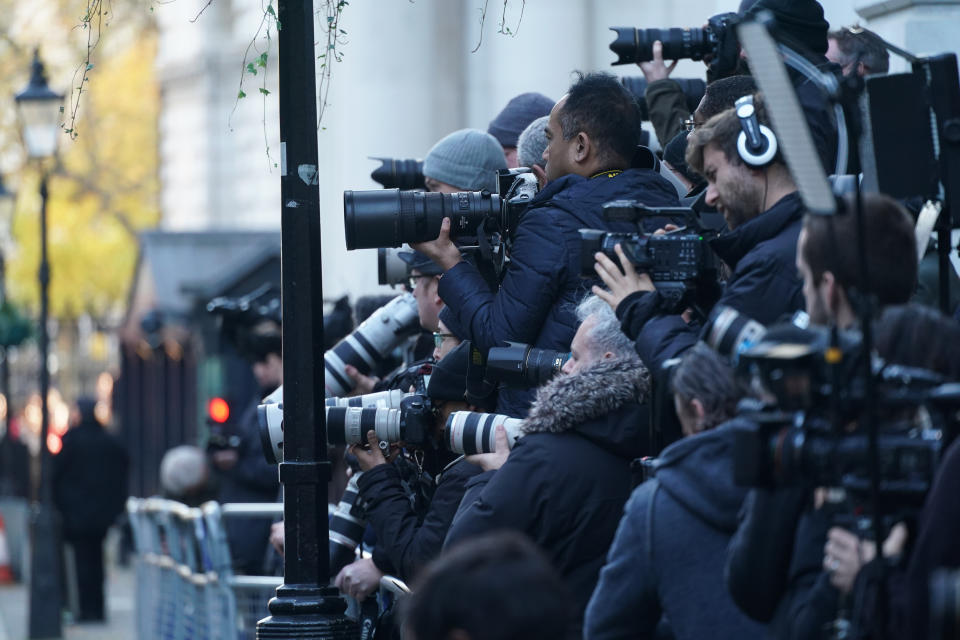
6 574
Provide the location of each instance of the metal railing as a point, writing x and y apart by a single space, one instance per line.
186 588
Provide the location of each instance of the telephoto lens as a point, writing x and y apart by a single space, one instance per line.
730 333
390 217
399 173
270 421
388 399
468 432
636 45
520 365
370 343
347 524
408 423
391 269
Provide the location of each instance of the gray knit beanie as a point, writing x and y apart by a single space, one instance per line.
467 159
519 112
532 143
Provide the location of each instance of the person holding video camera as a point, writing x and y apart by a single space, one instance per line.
593 133
774 562
408 510
759 201
666 561
566 480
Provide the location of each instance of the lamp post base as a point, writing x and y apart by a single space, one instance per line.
307 613
45 603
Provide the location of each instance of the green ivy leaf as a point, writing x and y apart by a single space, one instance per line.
264 91
89 66
271 11
251 69
241 95
262 60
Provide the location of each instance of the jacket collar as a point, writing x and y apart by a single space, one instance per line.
733 245
568 401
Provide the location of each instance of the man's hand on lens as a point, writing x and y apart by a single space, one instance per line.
371 457
656 69
364 383
620 283
359 579
442 250
276 536
495 460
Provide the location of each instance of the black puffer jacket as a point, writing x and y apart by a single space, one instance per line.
537 299
764 284
567 479
406 538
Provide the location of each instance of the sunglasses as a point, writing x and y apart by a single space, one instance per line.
438 338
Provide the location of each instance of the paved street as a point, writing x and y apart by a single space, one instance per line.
121 584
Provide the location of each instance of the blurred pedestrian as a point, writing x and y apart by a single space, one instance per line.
89 490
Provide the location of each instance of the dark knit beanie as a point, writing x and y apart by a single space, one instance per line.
449 378
519 112
801 20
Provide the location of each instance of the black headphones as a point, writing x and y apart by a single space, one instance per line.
757 144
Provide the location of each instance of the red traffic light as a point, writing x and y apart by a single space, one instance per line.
218 410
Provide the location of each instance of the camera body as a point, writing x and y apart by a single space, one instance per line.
717 40
680 262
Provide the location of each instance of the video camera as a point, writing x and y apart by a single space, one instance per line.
804 430
717 42
681 262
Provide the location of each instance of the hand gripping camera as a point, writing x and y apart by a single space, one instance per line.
681 262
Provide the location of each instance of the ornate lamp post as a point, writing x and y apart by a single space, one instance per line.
39 112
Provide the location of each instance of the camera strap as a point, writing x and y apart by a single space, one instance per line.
609 173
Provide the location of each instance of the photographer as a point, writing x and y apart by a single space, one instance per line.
593 133
774 560
410 528
530 147
244 474
763 212
513 119
666 561
566 480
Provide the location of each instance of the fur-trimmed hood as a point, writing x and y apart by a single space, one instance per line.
586 401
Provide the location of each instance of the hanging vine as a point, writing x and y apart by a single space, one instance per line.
92 23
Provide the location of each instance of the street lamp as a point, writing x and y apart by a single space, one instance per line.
39 109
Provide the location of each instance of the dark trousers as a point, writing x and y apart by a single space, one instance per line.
88 552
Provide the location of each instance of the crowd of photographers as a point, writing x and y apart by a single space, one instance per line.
646 410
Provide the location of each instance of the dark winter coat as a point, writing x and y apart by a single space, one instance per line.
764 284
90 480
542 286
567 479
406 539
667 105
667 556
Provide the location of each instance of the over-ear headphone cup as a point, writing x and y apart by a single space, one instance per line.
765 155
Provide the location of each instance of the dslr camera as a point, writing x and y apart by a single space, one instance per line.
716 42
681 262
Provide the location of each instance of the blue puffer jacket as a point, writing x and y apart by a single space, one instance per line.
764 284
542 286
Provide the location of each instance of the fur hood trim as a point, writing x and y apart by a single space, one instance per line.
568 401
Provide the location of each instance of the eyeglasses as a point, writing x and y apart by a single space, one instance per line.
412 280
438 338
689 124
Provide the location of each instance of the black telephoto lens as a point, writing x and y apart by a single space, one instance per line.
390 217
636 45
394 173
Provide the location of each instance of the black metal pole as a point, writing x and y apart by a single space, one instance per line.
45 558
305 607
